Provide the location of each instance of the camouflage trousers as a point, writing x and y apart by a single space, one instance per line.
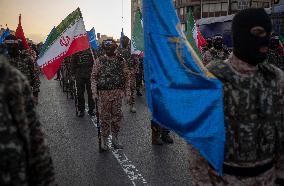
202 174
131 87
110 103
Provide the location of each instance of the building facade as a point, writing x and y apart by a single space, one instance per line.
214 8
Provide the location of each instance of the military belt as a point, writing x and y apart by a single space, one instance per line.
247 171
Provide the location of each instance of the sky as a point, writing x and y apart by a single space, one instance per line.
40 16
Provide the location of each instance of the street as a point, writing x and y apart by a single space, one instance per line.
74 147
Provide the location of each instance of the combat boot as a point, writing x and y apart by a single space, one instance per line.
166 137
81 114
156 135
116 143
104 146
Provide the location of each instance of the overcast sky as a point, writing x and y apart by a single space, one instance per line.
39 16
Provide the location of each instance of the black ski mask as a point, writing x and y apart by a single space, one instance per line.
12 46
218 42
247 44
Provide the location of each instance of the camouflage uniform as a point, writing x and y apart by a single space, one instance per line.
133 69
24 156
25 64
214 54
254 131
139 75
108 83
275 59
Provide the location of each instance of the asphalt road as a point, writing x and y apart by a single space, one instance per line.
73 144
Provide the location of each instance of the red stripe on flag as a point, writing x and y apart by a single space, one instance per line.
79 44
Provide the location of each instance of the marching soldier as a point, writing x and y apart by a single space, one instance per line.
82 64
253 107
217 52
109 78
24 155
24 63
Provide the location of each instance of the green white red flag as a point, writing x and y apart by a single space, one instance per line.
67 38
194 35
137 40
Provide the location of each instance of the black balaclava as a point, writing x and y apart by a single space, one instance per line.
246 46
209 42
12 46
218 42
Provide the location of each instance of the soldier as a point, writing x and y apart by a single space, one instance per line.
160 135
82 64
273 54
24 155
253 105
139 76
109 78
217 52
132 62
24 63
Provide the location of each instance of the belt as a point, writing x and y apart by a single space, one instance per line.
247 171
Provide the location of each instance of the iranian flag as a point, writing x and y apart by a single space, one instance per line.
137 40
193 33
67 38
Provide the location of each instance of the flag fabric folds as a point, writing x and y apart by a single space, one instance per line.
92 38
44 46
193 33
69 37
4 35
137 41
181 94
20 34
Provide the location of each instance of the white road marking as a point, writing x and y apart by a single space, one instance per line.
130 170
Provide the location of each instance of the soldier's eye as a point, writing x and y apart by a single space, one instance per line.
258 31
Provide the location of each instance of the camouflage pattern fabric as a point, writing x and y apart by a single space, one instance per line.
139 75
275 59
110 97
110 104
133 69
24 155
111 73
214 54
24 63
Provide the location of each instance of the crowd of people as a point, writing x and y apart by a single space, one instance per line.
253 84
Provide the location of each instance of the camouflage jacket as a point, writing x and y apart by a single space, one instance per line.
275 59
109 73
253 109
214 55
25 65
24 156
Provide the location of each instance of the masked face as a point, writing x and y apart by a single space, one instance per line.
109 47
218 43
251 34
13 49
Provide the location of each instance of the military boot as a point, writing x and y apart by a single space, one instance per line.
156 135
104 146
116 143
166 137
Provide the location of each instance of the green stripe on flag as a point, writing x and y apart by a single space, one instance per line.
189 33
70 20
137 34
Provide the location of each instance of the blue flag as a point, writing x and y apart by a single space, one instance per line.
92 38
181 94
4 35
45 43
